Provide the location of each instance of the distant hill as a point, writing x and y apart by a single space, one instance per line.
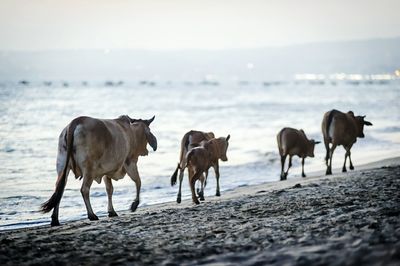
364 57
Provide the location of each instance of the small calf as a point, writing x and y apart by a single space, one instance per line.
294 142
200 159
191 139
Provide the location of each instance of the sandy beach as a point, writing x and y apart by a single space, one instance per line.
345 219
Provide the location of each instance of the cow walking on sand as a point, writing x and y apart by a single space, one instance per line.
341 129
96 149
294 142
191 139
200 159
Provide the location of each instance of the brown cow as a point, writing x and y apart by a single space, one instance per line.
100 148
200 159
294 142
341 129
191 139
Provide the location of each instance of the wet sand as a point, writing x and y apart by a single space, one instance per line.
344 219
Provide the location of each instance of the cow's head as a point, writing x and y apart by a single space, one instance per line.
144 135
311 146
223 147
145 121
360 122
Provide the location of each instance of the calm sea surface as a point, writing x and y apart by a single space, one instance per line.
32 117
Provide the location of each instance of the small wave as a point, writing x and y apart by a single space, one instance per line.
22 197
390 129
23 224
7 149
98 194
272 157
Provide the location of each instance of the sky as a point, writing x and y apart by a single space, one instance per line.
186 24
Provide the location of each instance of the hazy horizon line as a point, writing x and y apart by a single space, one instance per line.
276 46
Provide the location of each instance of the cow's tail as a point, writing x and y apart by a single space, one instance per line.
61 182
174 175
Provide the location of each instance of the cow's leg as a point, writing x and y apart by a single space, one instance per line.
216 169
205 181
85 189
133 173
110 190
54 215
181 173
348 152
198 187
326 142
329 167
290 165
344 164
192 180
302 168
351 163
283 159
201 191
61 160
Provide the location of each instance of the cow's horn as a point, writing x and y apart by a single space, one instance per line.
148 122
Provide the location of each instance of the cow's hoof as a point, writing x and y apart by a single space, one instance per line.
218 194
351 167
328 172
202 198
303 175
344 170
55 222
284 176
200 194
93 217
134 205
197 202
112 214
178 200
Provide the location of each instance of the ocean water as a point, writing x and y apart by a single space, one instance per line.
32 117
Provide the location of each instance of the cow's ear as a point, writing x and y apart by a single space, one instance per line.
151 139
148 121
367 123
126 118
228 137
317 142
